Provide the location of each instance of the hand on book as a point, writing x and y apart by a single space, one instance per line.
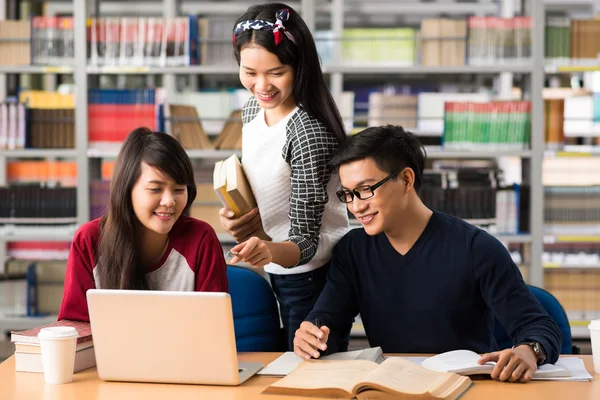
244 227
516 364
253 251
309 339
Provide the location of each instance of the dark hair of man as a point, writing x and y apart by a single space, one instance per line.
391 148
118 257
310 90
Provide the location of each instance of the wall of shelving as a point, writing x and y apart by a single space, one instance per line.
335 16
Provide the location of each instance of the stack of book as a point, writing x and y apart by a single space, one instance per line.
28 353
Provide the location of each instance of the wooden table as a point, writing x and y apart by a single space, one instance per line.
86 385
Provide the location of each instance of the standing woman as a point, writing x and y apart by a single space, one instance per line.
291 130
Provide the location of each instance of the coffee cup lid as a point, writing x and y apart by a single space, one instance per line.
594 324
58 332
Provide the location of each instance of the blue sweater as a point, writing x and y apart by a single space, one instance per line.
441 295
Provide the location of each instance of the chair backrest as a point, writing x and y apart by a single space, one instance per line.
556 312
255 312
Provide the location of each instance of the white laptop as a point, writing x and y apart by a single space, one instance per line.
168 337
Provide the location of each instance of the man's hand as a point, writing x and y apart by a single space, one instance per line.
253 251
309 340
512 365
244 227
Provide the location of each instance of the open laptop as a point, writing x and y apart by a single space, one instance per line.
168 337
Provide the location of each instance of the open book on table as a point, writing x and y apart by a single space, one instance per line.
464 362
364 379
287 362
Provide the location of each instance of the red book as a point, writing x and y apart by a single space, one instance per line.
30 336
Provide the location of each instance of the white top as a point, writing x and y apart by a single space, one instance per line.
270 177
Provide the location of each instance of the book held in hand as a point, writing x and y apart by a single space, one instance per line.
395 377
464 362
28 352
232 187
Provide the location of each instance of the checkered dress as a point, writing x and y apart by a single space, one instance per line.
307 149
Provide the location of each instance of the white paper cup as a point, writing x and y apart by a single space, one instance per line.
594 327
58 353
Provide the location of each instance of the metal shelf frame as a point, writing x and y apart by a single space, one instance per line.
337 11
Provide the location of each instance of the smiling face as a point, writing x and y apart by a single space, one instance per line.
382 212
270 81
157 200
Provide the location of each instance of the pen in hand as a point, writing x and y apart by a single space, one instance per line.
318 324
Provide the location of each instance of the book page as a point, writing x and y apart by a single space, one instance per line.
459 361
404 376
323 374
287 362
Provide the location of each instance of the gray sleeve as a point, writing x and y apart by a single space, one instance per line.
308 149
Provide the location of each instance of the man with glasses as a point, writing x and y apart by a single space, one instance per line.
422 281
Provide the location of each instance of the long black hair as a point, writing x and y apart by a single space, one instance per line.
310 90
117 257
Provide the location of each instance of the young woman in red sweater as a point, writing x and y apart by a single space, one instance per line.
145 241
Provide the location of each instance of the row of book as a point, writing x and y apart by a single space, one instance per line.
571 204
495 40
487 126
577 290
35 251
131 41
572 41
113 114
37 204
576 172
13 294
62 173
190 40
36 128
15 44
572 255
571 116
52 40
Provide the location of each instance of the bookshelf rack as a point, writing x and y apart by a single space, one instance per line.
35 69
420 70
193 154
337 11
573 271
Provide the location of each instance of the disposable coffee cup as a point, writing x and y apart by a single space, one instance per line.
58 353
594 327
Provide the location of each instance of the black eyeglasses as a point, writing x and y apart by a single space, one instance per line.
363 192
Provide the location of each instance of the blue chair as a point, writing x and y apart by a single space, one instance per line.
555 311
255 312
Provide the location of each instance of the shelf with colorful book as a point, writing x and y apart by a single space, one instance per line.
496 64
571 164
